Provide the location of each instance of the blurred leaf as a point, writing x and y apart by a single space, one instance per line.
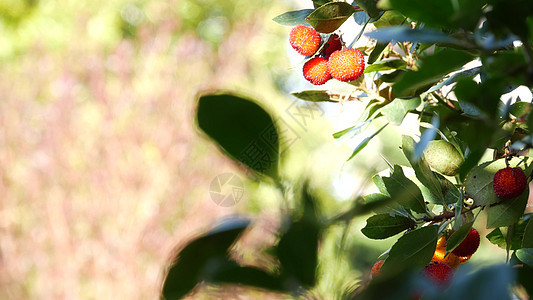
298 247
378 49
432 70
369 6
329 17
398 108
244 130
485 96
406 34
491 282
427 137
383 226
440 13
458 236
386 65
251 276
314 96
365 142
202 258
404 191
422 171
414 249
508 212
453 78
525 255
527 240
293 18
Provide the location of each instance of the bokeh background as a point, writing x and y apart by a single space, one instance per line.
102 170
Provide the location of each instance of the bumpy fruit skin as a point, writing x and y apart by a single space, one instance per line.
443 157
509 182
439 273
316 71
376 269
469 245
305 40
346 65
333 44
451 259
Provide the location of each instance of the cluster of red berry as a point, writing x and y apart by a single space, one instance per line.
333 61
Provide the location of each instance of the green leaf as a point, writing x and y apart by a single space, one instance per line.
314 96
404 191
432 70
458 236
365 142
383 226
251 276
386 65
421 168
520 108
242 129
330 16
370 7
318 3
508 212
406 34
398 108
478 183
202 258
390 18
298 247
415 249
525 255
527 240
293 18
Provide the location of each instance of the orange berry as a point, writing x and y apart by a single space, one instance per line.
469 245
305 40
346 65
509 182
376 268
316 71
439 273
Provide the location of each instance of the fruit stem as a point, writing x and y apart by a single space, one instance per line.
447 215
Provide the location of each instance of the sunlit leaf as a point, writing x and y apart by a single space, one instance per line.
507 212
365 142
293 18
383 226
329 17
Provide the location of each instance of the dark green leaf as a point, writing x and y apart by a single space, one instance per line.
520 108
398 108
386 65
244 130
318 3
383 226
370 7
404 191
202 258
507 212
484 96
314 96
421 168
293 18
525 255
458 236
415 249
244 275
432 70
329 17
365 142
298 247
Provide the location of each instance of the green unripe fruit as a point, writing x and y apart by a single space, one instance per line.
443 157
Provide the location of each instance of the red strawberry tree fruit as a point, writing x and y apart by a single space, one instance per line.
448 63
